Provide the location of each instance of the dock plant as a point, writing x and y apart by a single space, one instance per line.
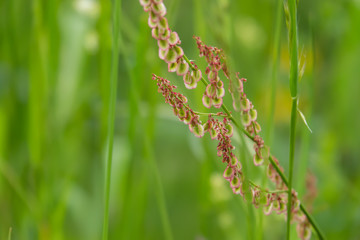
220 125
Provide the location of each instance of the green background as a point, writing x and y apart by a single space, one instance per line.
55 65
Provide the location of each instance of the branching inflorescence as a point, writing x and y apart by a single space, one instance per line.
171 52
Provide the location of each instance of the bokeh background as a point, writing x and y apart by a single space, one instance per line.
55 64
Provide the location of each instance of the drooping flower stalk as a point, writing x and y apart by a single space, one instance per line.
171 52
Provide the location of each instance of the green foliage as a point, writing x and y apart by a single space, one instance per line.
55 66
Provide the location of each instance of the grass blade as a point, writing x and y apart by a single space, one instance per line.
111 114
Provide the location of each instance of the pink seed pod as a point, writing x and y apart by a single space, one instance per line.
253 114
189 81
179 51
220 92
157 1
196 74
164 34
245 119
229 173
245 104
268 209
183 68
170 56
198 130
207 101
217 102
162 53
159 9
163 24
145 3
174 38
163 45
230 130
210 90
235 182
233 161
172 67
152 24
258 160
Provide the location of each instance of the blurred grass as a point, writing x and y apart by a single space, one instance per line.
55 59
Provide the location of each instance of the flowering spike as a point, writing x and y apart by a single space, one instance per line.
174 38
170 56
172 67
207 101
183 68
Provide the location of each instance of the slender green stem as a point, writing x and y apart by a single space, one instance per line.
9 235
293 46
111 115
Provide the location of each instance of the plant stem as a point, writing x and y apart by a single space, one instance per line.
293 47
111 115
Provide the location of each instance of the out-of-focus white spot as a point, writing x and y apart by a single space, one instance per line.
89 8
218 186
92 42
249 33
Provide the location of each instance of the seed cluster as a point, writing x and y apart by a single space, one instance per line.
169 43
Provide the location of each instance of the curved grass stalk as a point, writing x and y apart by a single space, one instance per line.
111 115
293 46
